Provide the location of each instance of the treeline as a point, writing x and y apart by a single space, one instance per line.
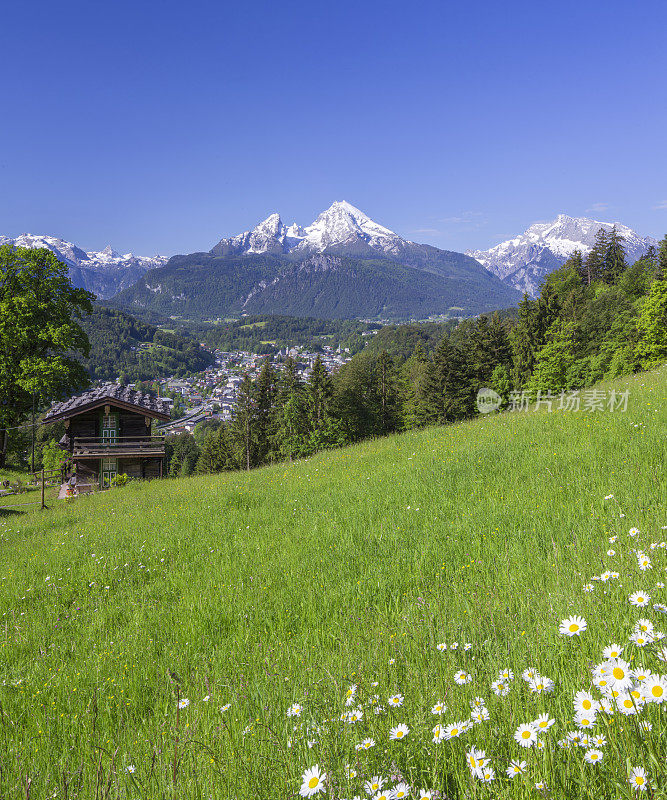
596 318
266 334
122 345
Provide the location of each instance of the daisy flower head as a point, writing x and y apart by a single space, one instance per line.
526 735
543 723
399 732
293 711
478 702
506 675
638 779
467 646
599 740
184 703
401 791
462 677
479 715
639 599
453 731
633 532
396 700
385 794
485 774
453 645
644 562
516 767
439 707
540 684
572 626
584 721
425 794
609 497
593 756
374 785
529 673
641 639
589 587
661 607
619 673
313 782
585 703
644 625
366 744
476 758
355 716
500 688
629 705
350 772
611 552
130 768
612 651
438 733
442 647
654 689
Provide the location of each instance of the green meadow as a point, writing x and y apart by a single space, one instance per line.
246 593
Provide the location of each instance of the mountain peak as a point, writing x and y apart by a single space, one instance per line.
525 260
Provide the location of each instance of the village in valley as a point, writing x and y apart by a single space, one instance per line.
211 394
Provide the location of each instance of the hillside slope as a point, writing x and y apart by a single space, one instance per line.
247 593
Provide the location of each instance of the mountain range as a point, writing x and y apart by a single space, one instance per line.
105 273
342 265
524 261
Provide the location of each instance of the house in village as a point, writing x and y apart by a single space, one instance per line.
108 433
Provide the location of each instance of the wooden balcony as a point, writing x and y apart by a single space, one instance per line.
118 447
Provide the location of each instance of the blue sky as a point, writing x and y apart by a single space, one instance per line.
162 126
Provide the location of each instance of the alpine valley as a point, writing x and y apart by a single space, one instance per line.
343 265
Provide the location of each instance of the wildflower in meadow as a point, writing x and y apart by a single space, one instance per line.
644 562
543 723
584 702
225 707
439 708
606 576
207 698
529 673
438 733
366 744
485 774
350 694
478 702
645 725
453 731
454 645
619 673
584 721
442 647
540 684
644 625
629 705
639 599
293 711
526 735
425 794
641 639
383 795
515 768
396 700
612 651
350 772
638 779
660 607
184 703
374 784
589 587
609 497
313 782
401 790
599 740
476 759
399 732
479 715
611 552
506 675
654 688
572 626
500 688
467 646
633 532
355 716
462 677
131 768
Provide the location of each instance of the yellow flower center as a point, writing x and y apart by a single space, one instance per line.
639 780
657 691
586 704
312 783
525 735
573 627
399 734
618 673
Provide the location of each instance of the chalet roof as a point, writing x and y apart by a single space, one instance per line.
122 396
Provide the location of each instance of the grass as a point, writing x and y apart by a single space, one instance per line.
252 592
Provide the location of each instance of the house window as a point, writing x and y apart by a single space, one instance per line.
109 428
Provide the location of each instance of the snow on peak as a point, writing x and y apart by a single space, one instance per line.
341 226
524 260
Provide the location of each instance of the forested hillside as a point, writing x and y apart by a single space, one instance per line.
122 345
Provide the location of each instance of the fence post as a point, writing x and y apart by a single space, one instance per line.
43 503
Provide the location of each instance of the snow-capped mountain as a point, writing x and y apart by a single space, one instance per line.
103 272
523 261
341 229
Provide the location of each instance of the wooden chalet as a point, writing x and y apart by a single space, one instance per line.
108 433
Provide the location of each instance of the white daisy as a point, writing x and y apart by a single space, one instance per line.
526 734
572 626
313 782
399 732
